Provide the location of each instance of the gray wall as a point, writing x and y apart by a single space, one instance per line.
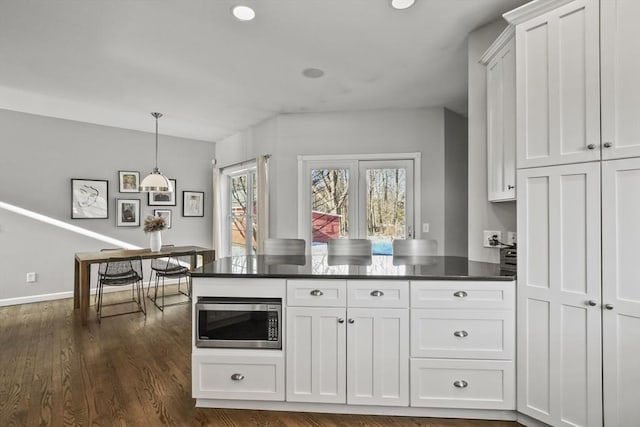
455 183
39 157
483 215
383 131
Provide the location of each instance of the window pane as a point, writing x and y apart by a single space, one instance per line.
329 206
386 203
254 212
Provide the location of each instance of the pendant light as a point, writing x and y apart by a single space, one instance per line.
155 181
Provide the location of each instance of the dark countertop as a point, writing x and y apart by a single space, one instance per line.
374 267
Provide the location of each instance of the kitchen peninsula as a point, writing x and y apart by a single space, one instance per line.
419 336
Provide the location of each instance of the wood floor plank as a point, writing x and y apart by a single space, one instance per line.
128 371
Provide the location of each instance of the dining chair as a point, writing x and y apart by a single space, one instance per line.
176 266
284 247
415 247
349 247
122 272
153 271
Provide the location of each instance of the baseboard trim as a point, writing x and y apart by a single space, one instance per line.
29 299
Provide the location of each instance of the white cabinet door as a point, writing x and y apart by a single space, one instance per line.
378 356
316 354
558 97
620 68
558 298
621 291
501 123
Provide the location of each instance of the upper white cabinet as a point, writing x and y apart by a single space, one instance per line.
620 68
500 62
557 82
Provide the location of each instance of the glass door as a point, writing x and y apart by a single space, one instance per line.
243 225
386 202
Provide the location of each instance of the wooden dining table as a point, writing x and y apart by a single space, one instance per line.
83 261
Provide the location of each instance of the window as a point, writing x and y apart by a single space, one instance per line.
241 223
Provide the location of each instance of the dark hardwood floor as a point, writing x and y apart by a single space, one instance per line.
126 371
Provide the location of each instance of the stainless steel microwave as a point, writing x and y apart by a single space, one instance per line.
239 322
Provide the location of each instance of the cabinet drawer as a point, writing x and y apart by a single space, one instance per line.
245 377
317 293
472 384
378 293
463 334
463 294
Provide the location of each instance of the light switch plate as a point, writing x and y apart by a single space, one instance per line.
425 227
488 236
32 277
512 237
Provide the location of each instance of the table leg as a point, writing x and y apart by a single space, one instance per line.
208 256
84 291
76 284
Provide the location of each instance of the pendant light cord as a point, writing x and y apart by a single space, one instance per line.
156 142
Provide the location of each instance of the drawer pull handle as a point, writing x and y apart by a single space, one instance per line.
316 293
460 294
607 144
461 334
237 377
377 293
460 384
591 146
352 321
341 320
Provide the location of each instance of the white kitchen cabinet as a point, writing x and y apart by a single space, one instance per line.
559 288
621 290
378 356
557 83
620 68
316 354
363 360
500 63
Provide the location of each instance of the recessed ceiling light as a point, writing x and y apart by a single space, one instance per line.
402 4
243 13
312 73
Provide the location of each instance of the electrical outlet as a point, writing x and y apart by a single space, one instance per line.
32 277
512 237
492 238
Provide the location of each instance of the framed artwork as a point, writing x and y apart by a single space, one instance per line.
128 212
89 198
129 181
165 213
159 198
192 203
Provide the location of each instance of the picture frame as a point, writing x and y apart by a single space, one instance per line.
159 198
89 198
129 181
193 203
128 212
165 213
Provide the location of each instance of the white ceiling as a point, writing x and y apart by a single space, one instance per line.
112 62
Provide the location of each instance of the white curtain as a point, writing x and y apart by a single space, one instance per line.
262 176
217 212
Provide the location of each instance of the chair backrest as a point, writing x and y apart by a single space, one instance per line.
284 247
349 247
174 261
103 265
415 247
124 267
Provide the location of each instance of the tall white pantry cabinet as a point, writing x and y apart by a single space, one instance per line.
578 202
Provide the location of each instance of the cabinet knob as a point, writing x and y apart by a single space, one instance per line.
461 334
460 294
592 303
237 377
591 146
461 384
352 321
510 187
341 320
377 293
316 293
608 306
607 144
